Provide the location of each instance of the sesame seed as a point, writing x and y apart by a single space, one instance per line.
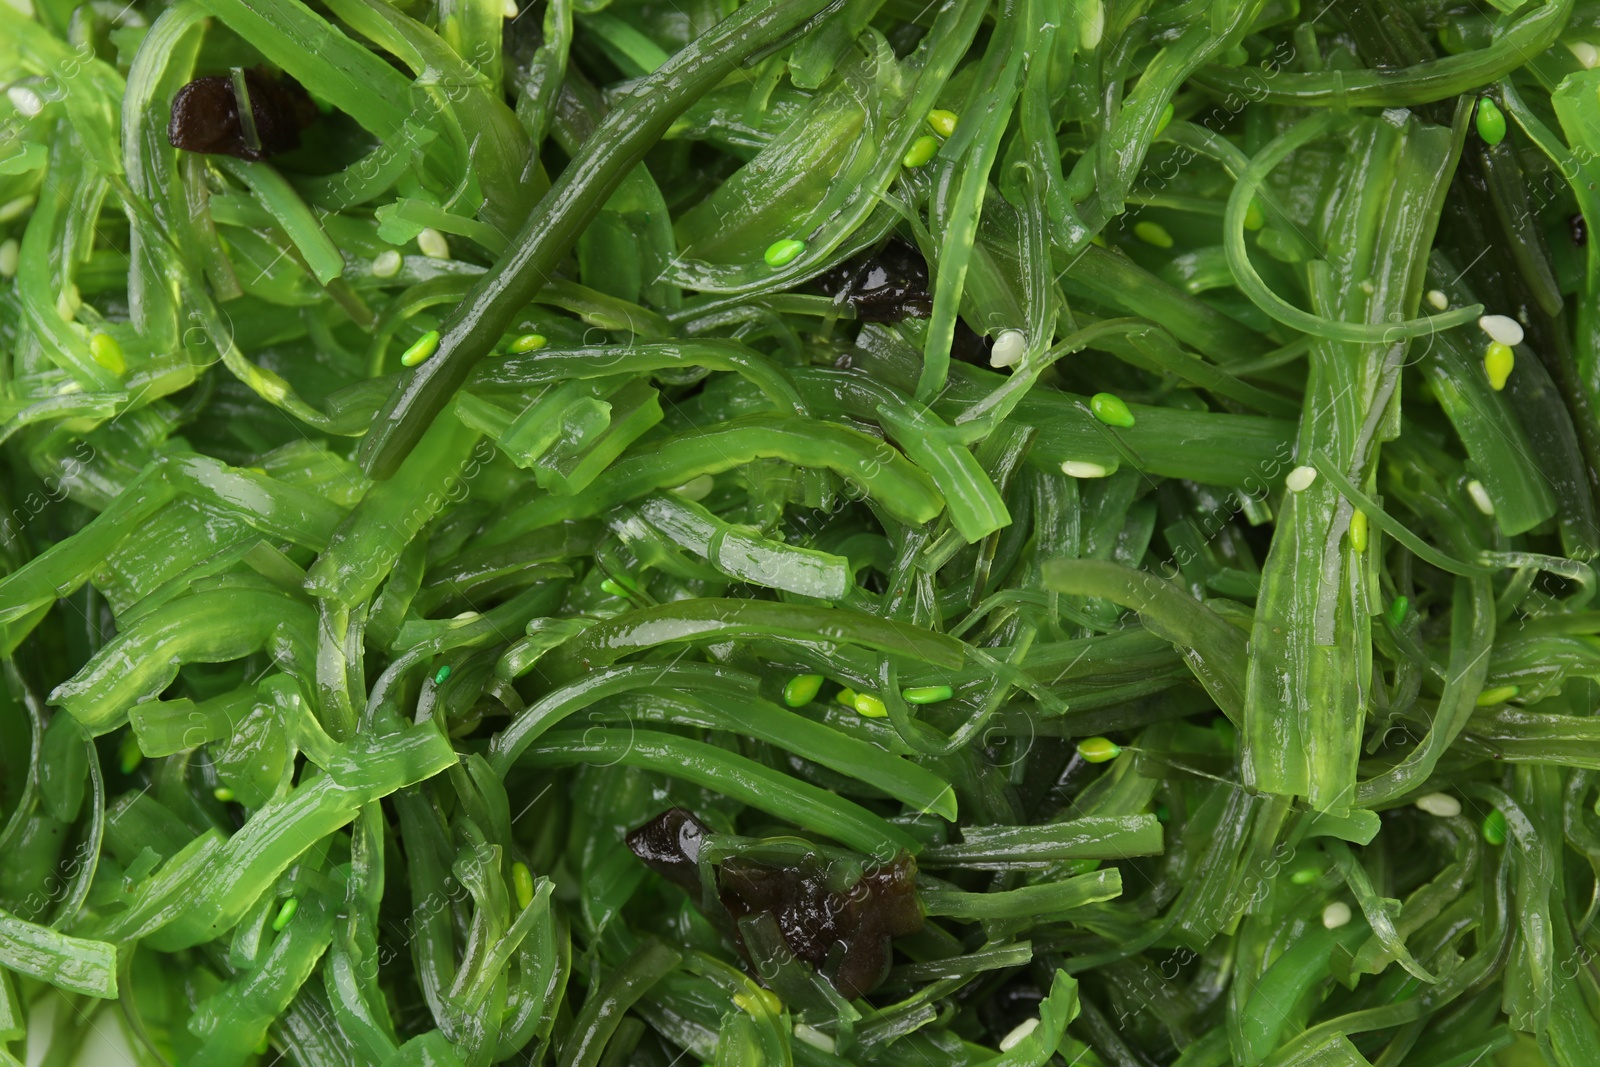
1300 479
1498 695
1480 497
13 209
782 253
1110 409
522 880
1358 531
1336 914
1009 347
1153 233
1498 362
814 1037
1502 328
1099 749
1438 300
697 488
1081 468
801 690
433 243
1443 805
942 122
286 913
25 100
1019 1034
870 706
424 347
922 150
386 264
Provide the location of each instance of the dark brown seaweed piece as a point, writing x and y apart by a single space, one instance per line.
206 116
886 285
843 932
669 844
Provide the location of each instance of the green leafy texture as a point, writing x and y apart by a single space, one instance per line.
73 964
711 497
1309 655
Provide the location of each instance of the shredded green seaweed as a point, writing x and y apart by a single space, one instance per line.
612 533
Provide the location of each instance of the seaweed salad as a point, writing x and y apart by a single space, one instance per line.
794 533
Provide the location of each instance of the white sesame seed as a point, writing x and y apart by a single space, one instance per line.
1008 349
696 488
814 1037
10 253
1502 328
1585 53
465 616
1016 1037
509 9
1079 468
433 243
68 303
1336 915
15 209
386 264
1300 479
1366 286
1480 497
1438 300
1092 28
1443 805
25 100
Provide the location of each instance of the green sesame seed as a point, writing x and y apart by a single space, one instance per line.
1166 118
522 881
286 913
612 586
782 253
1498 695
927 694
1305 876
942 122
129 755
1254 217
1491 122
1152 233
870 706
1498 359
421 349
1110 409
1398 608
1494 827
440 675
801 689
847 697
223 793
921 151
528 342
1358 531
108 353
1099 749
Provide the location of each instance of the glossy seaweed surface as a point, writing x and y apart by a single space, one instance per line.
793 533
